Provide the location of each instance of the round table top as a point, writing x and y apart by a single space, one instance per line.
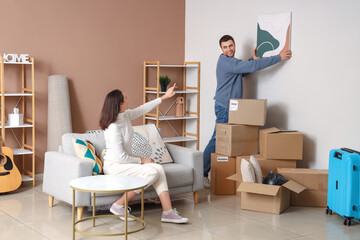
108 183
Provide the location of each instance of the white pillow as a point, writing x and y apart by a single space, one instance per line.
247 171
257 169
147 143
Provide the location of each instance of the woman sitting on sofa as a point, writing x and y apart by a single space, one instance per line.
116 119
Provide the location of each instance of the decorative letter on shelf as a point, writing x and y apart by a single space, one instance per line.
16 58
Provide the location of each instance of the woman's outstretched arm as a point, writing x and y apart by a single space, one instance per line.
147 107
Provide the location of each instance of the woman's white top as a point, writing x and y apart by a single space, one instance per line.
119 134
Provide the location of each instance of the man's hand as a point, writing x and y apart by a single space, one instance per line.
254 55
285 54
147 160
169 93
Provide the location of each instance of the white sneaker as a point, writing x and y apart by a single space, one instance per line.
116 210
173 217
206 182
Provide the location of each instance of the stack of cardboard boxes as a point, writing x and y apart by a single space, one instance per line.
279 149
239 137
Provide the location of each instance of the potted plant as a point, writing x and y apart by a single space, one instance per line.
164 82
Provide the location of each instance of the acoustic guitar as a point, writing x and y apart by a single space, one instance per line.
10 177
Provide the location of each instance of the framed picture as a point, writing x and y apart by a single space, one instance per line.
273 34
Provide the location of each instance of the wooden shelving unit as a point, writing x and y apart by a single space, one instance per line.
190 92
26 147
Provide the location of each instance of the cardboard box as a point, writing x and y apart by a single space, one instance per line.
233 140
267 198
237 177
222 167
281 144
247 111
309 198
316 183
268 165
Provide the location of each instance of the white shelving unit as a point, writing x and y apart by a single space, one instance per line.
179 139
167 118
190 93
26 147
187 91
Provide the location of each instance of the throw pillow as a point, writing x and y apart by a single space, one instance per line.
247 172
86 150
257 169
147 143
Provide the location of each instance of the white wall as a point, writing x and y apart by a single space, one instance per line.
316 92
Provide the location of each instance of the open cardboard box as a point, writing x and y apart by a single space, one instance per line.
266 198
265 164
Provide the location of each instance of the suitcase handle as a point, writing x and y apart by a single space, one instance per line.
338 155
350 150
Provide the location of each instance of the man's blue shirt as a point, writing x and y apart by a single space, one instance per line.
229 73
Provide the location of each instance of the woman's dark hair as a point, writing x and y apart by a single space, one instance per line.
225 38
111 108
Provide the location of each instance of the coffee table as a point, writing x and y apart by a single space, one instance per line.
108 184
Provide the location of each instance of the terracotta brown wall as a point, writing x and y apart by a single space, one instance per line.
99 45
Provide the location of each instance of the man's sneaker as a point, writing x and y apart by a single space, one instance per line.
206 182
120 210
173 217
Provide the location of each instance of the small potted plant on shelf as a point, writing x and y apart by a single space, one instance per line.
164 82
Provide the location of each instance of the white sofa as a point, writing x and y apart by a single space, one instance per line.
184 175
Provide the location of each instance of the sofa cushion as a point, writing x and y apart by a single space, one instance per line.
96 138
178 174
147 143
86 150
247 171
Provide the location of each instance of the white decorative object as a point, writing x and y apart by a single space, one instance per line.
59 113
257 169
16 58
247 172
15 118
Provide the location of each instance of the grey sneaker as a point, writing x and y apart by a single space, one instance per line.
206 182
116 210
173 217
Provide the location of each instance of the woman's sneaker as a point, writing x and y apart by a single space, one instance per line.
173 217
120 210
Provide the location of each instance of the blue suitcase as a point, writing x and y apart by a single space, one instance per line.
344 184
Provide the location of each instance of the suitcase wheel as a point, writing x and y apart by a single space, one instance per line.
328 211
347 222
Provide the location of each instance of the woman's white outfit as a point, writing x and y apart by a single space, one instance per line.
118 159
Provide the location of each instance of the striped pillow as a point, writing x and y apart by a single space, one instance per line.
86 150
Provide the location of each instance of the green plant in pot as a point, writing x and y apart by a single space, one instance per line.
164 82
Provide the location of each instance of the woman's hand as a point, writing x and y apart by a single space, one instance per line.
169 93
147 160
